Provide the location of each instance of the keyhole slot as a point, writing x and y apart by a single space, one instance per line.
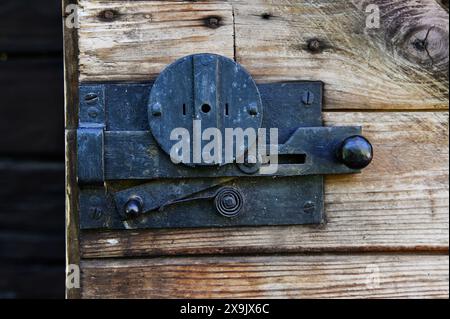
227 109
184 109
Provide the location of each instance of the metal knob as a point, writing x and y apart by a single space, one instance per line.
356 152
134 207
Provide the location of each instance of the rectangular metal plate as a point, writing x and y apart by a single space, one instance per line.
133 165
267 202
90 156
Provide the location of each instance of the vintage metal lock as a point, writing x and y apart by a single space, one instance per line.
126 149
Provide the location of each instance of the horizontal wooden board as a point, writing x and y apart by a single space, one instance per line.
137 40
352 276
29 26
362 68
400 202
31 112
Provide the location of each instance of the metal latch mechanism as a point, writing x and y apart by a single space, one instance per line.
132 173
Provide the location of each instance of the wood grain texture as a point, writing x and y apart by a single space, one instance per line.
400 65
71 72
349 276
362 68
400 202
137 40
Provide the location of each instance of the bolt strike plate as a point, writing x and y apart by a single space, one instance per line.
128 181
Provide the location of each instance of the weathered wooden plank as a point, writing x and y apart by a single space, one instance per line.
400 202
136 41
71 72
30 26
31 107
381 68
72 215
352 276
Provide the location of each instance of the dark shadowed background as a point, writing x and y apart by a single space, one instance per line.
31 150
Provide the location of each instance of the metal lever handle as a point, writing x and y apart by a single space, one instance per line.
228 202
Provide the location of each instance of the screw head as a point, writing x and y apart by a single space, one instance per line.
91 98
134 207
156 109
356 152
308 98
96 213
93 112
253 109
309 207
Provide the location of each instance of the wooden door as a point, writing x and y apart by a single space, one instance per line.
386 232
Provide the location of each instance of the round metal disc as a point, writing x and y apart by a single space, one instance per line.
200 92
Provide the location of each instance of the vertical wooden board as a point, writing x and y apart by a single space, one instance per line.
137 40
71 72
363 68
351 276
72 211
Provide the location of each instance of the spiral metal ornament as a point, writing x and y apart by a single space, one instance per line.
229 201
